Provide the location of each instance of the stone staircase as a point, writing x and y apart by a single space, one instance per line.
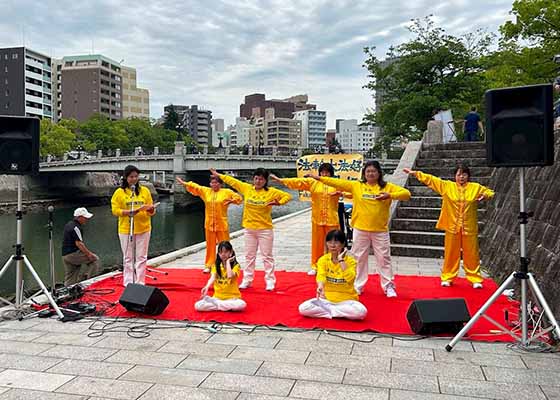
413 232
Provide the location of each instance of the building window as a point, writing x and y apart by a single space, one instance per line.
7 92
6 56
6 68
14 56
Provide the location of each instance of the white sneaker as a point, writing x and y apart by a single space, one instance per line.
312 272
390 291
445 283
477 285
206 270
245 284
270 286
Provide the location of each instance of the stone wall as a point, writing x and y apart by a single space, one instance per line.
500 244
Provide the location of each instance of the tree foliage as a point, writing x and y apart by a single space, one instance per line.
55 139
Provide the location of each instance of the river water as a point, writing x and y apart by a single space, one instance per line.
172 229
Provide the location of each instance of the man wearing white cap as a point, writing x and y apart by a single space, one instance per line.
74 251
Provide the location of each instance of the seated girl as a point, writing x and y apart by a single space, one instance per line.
223 276
336 296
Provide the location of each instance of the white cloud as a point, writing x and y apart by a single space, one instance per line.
214 53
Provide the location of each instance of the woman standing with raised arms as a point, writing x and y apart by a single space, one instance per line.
257 221
372 198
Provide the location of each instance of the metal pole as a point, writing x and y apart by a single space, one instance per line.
523 256
19 247
51 250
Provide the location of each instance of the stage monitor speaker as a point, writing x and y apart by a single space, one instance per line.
429 317
19 145
143 299
519 126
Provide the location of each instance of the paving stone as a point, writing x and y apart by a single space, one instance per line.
203 349
436 344
54 325
3 390
529 377
332 391
451 370
391 380
72 339
230 365
30 363
14 378
314 345
150 358
24 394
96 369
170 392
100 387
368 350
129 343
20 325
347 337
409 395
495 360
299 371
552 393
255 353
286 334
532 362
249 384
349 361
180 334
494 390
252 396
166 376
20 336
245 340
13 347
495 348
79 352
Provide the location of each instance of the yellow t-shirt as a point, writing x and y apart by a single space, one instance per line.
226 288
369 214
339 284
459 210
122 200
215 211
324 207
256 213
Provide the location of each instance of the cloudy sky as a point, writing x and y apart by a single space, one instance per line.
215 52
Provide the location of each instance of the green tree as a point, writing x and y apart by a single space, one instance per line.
101 133
171 121
431 71
55 139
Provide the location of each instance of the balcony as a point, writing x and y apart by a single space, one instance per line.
34 111
34 75
35 88
35 64
47 101
34 99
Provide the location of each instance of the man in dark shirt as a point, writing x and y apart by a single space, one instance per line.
471 124
74 251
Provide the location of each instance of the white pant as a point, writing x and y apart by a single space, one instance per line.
322 308
259 239
208 303
381 245
134 273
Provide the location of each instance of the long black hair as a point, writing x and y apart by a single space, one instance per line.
264 174
224 245
326 167
377 166
336 234
129 169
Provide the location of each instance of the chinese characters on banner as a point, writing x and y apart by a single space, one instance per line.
346 166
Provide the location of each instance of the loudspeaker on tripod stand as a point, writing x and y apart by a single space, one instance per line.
19 145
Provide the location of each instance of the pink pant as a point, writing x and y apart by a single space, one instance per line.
134 273
321 308
381 246
208 303
262 239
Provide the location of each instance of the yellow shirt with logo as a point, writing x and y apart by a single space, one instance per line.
339 284
215 211
226 288
256 213
122 200
459 211
369 214
324 207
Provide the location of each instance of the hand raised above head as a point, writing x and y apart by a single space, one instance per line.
274 178
213 172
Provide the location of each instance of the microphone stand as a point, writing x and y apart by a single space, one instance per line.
131 241
51 250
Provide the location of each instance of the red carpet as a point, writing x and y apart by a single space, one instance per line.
280 308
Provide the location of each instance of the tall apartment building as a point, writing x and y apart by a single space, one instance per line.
217 131
313 128
272 131
300 102
199 124
179 109
354 138
330 137
239 133
135 100
256 104
25 83
90 84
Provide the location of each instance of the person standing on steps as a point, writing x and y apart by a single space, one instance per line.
216 201
372 198
471 124
324 209
258 200
459 219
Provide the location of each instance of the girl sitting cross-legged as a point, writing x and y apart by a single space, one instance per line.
224 278
336 296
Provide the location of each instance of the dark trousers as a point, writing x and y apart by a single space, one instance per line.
471 136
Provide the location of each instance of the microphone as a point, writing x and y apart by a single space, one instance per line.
133 189
50 209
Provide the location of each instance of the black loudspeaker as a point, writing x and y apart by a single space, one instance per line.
519 126
429 317
19 145
143 299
